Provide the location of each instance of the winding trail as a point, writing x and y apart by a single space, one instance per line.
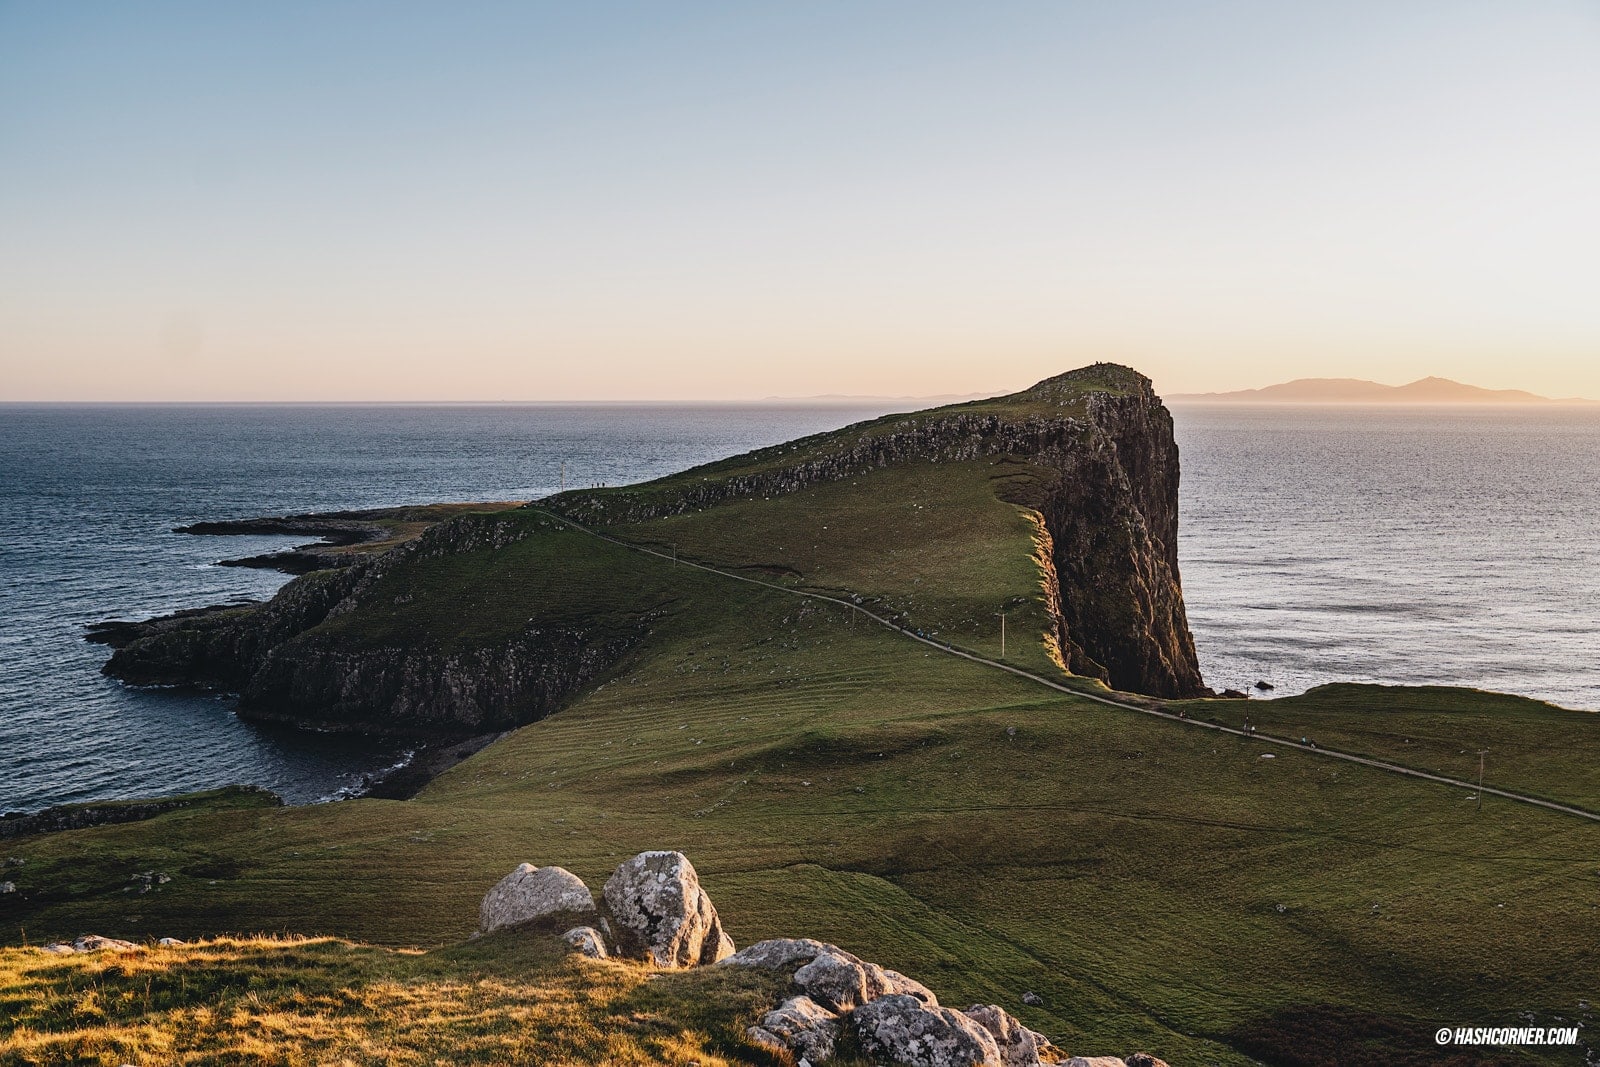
1349 757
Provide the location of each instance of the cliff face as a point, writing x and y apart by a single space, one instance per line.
286 670
1112 518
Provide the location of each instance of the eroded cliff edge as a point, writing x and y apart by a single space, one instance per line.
418 641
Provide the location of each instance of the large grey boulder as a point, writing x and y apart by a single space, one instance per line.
531 892
801 1026
842 981
1019 1046
659 912
779 953
900 1028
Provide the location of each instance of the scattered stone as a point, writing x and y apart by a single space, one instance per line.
59 948
903 1029
13 861
1144 1059
1032 999
1096 1061
531 892
803 1027
1019 1046
779 953
7 887
660 912
1265 687
171 942
1234 694
586 941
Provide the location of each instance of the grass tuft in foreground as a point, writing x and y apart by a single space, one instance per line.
511 998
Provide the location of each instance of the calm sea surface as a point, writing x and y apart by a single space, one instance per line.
1394 545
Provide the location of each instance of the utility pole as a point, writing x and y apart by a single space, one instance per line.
563 476
1481 751
1002 635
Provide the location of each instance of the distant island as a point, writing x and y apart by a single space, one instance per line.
1360 391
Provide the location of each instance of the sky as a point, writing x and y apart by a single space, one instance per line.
717 201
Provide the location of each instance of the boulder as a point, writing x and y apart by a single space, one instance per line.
895 982
1019 1046
531 892
586 941
1143 1059
1096 1061
779 953
1032 999
804 1027
171 942
659 912
902 1029
842 981
95 943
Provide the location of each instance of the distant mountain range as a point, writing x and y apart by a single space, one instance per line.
1360 391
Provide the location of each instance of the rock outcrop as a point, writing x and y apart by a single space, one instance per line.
801 1026
529 893
903 1029
1018 1046
843 981
659 912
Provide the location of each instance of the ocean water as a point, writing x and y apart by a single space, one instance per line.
1443 545
1448 545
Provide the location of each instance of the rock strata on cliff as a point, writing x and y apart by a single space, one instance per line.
286 665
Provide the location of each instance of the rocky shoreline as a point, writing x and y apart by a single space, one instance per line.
105 813
344 537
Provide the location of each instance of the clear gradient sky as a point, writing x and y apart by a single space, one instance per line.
706 200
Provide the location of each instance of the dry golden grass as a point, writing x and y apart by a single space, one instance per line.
509 999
